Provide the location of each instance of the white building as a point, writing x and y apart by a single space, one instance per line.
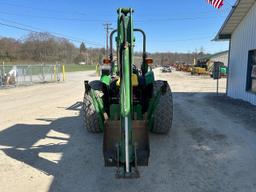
220 57
217 57
240 29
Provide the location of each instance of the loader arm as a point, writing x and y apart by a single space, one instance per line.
125 42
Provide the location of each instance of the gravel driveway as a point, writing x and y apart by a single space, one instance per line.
44 146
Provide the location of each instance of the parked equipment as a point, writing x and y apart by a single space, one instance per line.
222 70
166 69
127 103
200 68
198 71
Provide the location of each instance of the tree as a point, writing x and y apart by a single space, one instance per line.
44 47
82 48
47 48
9 49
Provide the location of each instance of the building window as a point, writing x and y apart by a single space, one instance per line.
251 72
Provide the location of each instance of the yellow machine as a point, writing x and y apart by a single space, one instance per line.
198 71
200 68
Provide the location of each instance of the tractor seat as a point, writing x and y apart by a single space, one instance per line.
135 81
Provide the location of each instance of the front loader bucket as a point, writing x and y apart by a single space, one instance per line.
112 138
141 140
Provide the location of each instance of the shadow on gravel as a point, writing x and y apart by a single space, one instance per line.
25 142
28 143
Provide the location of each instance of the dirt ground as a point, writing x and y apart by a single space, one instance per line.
44 146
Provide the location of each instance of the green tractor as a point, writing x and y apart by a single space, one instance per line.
127 103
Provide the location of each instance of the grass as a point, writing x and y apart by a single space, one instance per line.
37 69
75 67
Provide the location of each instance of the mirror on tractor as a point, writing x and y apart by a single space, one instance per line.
106 61
149 61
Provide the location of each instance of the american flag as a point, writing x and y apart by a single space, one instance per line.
216 3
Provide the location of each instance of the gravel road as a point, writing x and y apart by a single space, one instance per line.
44 146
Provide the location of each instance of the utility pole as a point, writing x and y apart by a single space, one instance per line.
107 28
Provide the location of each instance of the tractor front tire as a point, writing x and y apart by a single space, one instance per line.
163 114
91 120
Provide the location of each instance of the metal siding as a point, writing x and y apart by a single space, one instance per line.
243 39
222 58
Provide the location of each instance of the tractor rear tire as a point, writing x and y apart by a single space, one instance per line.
91 120
163 114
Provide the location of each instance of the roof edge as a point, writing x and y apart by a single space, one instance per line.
219 37
213 55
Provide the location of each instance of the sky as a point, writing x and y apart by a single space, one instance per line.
170 25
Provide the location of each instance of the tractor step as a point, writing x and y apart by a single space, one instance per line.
134 174
122 174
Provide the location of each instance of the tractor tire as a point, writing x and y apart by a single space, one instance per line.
91 120
163 114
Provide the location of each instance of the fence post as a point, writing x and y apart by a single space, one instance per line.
51 71
2 75
43 72
63 73
54 73
98 70
3 68
31 74
24 73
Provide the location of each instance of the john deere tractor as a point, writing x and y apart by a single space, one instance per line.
127 102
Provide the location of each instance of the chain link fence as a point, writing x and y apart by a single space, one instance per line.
15 75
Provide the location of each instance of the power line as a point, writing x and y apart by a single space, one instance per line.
17 27
53 18
56 33
93 20
176 19
36 31
45 10
98 20
186 40
69 12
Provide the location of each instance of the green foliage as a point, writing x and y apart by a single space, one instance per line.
43 47
82 48
46 48
79 58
